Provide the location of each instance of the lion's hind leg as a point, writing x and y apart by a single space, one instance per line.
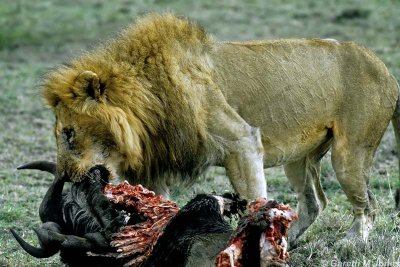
351 162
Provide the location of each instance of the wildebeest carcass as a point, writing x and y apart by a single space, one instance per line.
99 224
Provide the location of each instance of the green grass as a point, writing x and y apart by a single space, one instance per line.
38 35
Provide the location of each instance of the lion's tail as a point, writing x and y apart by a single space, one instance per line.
396 127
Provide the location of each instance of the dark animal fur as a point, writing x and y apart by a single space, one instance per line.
200 216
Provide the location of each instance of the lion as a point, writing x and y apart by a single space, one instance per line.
165 100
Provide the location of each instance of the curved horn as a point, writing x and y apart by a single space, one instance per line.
46 166
34 251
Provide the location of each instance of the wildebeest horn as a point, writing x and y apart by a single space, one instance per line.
46 166
48 246
33 251
51 241
50 208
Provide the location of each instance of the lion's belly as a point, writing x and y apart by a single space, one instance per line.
279 151
291 132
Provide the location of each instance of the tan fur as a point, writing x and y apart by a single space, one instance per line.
165 99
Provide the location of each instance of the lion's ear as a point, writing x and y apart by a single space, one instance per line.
89 82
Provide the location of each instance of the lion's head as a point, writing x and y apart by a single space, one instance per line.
92 125
133 105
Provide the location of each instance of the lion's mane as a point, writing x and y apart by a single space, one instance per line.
151 78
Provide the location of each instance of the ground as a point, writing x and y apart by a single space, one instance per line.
38 35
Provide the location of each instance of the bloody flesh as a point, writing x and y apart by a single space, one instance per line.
269 221
136 242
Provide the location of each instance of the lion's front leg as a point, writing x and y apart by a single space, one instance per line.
244 151
244 166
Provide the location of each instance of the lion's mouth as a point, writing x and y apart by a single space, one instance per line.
103 172
106 173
